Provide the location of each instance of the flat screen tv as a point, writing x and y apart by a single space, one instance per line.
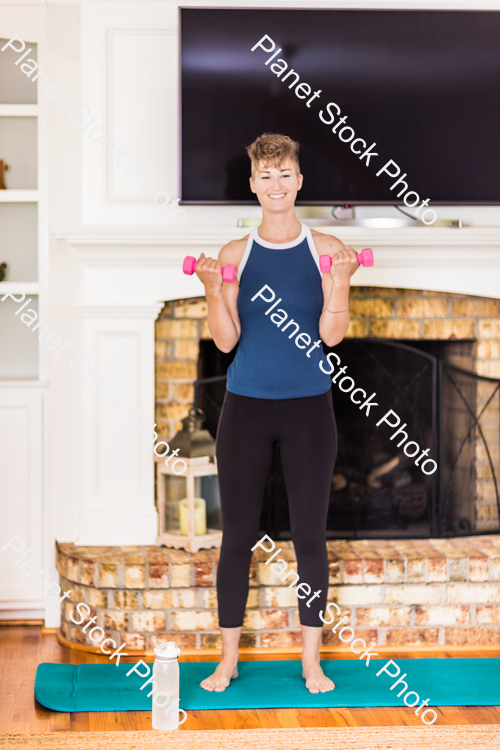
422 85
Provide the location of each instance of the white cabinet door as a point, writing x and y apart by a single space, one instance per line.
21 455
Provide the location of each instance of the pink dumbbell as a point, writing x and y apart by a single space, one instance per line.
228 272
364 258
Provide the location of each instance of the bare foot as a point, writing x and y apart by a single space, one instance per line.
316 680
220 679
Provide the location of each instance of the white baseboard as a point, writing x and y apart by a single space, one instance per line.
32 610
21 614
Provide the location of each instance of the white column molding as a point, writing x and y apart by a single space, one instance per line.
115 389
116 371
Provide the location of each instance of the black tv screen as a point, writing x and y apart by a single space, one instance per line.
423 86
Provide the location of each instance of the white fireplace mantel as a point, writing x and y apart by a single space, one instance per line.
122 277
463 261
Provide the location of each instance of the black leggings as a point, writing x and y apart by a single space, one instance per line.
307 434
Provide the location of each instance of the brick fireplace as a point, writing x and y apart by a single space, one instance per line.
396 592
376 312
471 322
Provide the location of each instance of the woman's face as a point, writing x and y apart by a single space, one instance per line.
276 187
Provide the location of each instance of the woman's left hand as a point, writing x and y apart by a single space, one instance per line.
344 265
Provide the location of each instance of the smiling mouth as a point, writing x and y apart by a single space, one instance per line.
278 196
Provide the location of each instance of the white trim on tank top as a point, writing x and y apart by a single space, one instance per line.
254 235
312 248
243 261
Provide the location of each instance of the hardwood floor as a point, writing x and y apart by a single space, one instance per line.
22 648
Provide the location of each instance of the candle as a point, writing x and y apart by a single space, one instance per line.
200 516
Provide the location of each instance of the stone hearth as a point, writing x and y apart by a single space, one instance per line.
397 593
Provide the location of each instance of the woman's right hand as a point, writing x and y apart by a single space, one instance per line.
209 272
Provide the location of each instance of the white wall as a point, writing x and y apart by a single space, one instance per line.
65 195
136 99
121 60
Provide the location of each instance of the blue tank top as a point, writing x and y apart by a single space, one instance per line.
269 363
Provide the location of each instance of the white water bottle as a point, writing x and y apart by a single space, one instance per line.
166 686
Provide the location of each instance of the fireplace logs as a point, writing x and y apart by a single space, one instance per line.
385 496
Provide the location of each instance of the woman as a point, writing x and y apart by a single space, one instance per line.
276 393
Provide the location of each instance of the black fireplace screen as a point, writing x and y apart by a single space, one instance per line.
377 490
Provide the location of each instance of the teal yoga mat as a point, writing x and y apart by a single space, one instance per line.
274 684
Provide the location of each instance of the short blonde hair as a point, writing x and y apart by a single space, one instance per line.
275 149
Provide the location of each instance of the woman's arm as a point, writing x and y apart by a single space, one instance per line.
223 320
334 320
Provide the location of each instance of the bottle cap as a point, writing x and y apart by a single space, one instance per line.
168 651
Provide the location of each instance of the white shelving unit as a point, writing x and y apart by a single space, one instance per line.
17 239
18 196
18 110
24 358
27 287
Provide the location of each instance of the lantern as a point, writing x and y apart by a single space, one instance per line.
182 515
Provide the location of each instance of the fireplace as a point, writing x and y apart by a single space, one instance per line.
377 490
397 592
430 375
